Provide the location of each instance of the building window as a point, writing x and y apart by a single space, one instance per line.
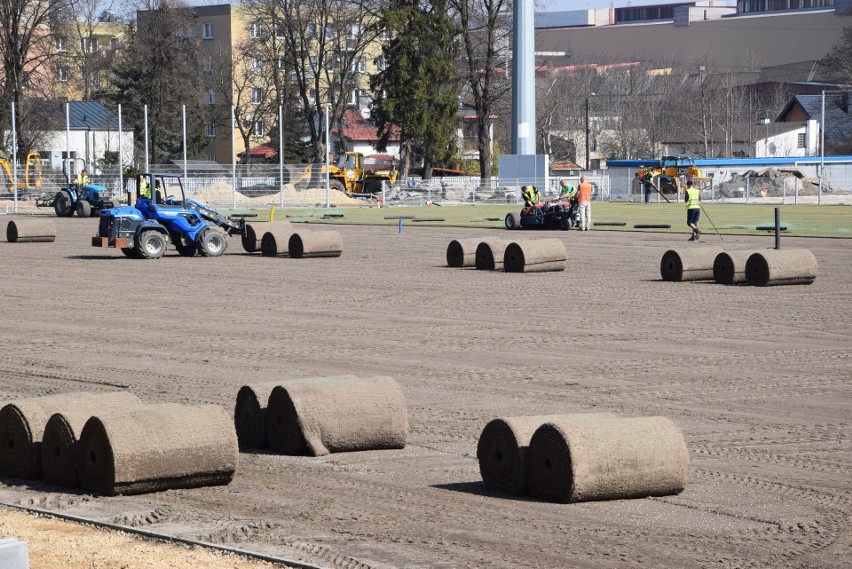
359 65
281 64
207 64
256 95
384 35
257 130
801 141
61 44
95 80
209 130
354 97
381 63
207 31
279 31
329 31
255 30
211 156
256 64
90 44
62 74
210 97
113 43
354 31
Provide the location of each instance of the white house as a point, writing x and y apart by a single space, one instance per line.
92 136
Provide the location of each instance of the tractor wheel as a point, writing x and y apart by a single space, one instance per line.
130 253
186 250
84 209
337 185
373 188
512 221
150 245
565 222
212 243
62 204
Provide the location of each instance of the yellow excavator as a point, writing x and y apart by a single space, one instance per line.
671 173
31 179
352 175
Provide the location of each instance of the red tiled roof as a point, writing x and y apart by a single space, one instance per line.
357 128
263 150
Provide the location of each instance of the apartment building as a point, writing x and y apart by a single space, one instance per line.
239 52
84 55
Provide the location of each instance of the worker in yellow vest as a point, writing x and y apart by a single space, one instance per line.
693 209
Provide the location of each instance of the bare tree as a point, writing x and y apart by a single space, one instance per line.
159 67
323 49
85 47
485 28
25 53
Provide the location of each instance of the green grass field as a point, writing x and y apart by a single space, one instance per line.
730 219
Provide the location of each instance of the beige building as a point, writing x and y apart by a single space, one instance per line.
224 31
84 54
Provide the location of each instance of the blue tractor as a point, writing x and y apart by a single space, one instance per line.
85 201
161 216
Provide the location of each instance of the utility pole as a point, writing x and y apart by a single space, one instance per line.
588 130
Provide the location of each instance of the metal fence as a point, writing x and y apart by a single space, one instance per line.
261 187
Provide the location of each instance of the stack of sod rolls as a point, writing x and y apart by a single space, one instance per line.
23 421
502 449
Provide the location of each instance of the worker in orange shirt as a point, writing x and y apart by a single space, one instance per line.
584 199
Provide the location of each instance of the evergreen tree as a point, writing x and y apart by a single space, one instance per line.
416 94
159 67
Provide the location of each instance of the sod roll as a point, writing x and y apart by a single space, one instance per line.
273 242
22 424
318 416
462 252
489 254
729 267
30 230
607 458
250 414
539 256
775 267
688 264
502 448
150 448
253 234
307 244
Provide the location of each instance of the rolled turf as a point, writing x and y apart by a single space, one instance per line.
539 256
688 264
250 414
273 243
607 459
22 424
306 244
729 267
318 416
502 448
462 252
30 231
253 235
775 267
151 448
489 254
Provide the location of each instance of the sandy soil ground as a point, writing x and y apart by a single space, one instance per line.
758 379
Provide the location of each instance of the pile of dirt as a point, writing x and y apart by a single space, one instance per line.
772 182
221 194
